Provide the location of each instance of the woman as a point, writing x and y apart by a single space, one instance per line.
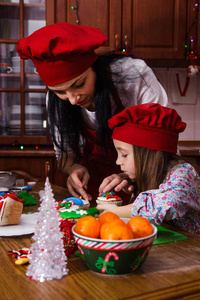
85 90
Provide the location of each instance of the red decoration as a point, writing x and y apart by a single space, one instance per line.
70 245
13 196
19 254
112 196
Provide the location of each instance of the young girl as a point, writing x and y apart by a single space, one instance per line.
167 187
85 90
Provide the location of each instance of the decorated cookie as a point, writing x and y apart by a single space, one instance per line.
73 201
73 213
109 198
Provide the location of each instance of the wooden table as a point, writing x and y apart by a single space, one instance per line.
171 271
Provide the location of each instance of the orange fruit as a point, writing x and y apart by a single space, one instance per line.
116 230
140 227
88 226
107 217
106 225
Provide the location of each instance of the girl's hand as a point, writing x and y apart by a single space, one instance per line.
77 181
109 208
117 182
122 211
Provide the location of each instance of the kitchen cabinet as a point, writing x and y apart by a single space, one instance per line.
22 93
148 29
102 14
24 141
158 28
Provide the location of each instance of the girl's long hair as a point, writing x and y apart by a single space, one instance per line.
152 166
67 118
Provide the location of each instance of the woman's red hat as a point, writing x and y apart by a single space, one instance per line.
148 125
61 51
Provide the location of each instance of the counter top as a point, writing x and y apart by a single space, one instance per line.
189 149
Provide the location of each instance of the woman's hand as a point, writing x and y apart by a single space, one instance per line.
117 182
77 181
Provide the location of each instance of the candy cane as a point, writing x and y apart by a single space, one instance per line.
80 250
116 257
140 258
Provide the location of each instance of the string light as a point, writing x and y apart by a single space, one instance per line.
77 14
188 38
22 146
193 69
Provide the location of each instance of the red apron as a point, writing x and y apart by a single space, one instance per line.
101 165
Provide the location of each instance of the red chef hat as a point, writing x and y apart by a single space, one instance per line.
61 51
148 125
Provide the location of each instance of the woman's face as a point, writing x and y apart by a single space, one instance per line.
125 158
79 90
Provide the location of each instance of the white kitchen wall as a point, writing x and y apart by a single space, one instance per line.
183 93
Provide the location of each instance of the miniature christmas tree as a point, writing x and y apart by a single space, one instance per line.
48 260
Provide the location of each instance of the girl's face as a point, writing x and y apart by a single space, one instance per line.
125 158
79 90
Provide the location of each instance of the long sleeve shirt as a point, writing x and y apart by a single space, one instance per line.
176 201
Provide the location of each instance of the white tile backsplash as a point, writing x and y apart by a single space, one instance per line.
197 120
190 110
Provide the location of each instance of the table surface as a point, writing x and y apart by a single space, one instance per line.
171 271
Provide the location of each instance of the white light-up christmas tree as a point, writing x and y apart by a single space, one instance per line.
47 260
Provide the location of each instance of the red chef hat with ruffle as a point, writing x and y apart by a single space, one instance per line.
61 51
148 125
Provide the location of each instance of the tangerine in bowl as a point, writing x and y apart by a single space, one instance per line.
112 256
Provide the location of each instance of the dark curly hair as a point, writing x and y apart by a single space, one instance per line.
68 119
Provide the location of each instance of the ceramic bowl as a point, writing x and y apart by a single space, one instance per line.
7 179
118 257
